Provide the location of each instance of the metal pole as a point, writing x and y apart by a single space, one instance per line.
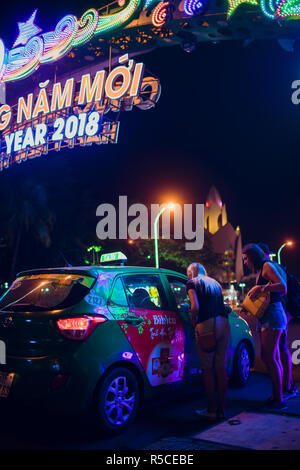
278 253
156 236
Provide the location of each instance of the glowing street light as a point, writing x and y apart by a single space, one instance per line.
169 206
289 243
242 285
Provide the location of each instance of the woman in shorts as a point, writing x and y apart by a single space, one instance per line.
274 321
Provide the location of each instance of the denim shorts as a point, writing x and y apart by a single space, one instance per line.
274 317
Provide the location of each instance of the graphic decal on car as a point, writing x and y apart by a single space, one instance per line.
158 340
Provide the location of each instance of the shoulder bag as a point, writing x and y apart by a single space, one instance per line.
258 306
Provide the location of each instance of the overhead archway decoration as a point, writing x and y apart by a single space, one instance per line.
34 47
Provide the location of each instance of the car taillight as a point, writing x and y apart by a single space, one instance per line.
78 328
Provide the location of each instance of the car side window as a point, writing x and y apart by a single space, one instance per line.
118 296
145 291
178 287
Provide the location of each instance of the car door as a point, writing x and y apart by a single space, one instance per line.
154 331
181 304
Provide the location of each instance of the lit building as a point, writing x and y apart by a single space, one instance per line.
225 240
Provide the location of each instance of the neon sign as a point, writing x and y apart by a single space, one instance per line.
33 48
73 113
272 9
234 4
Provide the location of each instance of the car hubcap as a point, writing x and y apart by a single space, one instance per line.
245 363
119 401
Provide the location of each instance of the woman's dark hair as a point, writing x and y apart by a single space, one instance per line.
255 255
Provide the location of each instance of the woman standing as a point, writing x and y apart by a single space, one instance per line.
273 322
209 313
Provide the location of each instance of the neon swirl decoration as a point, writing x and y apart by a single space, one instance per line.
33 48
107 23
268 7
234 4
193 7
272 9
288 9
86 27
162 13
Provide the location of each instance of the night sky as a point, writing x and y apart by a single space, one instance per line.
225 118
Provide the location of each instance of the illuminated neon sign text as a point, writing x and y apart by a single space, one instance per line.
69 113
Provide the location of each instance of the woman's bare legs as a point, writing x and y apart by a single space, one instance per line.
209 387
271 357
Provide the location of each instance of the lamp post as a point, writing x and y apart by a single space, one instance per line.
242 285
280 249
170 206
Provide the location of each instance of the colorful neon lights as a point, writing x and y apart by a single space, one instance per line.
234 4
23 60
288 9
32 49
3 58
122 80
148 3
193 7
110 22
86 27
162 13
27 30
272 9
57 43
66 114
268 7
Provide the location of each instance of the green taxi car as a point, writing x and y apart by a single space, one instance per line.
101 338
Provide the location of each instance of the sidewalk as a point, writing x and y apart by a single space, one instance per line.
255 428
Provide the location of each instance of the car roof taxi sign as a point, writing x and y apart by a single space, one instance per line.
117 256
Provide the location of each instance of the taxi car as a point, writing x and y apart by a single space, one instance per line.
100 338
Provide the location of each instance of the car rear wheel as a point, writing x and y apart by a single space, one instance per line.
241 365
117 400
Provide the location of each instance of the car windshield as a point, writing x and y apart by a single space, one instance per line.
46 292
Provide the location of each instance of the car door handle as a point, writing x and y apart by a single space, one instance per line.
134 321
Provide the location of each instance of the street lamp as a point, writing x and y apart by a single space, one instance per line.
169 206
242 285
280 249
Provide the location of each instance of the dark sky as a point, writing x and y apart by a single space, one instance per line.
225 118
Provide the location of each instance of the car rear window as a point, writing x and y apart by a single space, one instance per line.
46 292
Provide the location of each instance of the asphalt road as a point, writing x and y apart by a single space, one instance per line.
171 415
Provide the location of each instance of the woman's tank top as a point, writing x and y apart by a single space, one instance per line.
274 296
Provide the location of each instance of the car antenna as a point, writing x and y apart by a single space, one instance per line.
66 262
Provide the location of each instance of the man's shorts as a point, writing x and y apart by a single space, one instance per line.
217 358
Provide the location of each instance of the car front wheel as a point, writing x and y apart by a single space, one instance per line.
117 400
241 365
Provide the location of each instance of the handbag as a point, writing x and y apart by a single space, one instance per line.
258 306
208 341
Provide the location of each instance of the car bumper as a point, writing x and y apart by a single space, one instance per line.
38 381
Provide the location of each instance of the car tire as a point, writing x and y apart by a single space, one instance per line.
117 401
241 365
